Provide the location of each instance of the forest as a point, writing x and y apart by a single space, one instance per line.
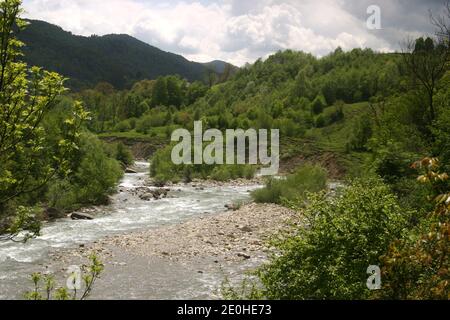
378 122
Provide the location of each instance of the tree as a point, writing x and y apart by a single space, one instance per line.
318 105
174 93
195 91
28 159
302 85
211 78
442 24
160 93
426 61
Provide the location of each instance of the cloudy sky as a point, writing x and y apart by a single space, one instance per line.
240 31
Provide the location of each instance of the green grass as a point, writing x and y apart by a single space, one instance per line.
309 178
335 136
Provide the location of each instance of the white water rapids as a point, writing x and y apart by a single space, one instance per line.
124 214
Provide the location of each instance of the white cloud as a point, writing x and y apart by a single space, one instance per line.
237 31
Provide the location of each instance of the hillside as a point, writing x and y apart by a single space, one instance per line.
118 59
219 66
318 105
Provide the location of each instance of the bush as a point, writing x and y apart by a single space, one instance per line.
163 170
149 121
417 266
123 126
329 259
93 180
321 121
233 172
318 105
309 178
362 132
124 155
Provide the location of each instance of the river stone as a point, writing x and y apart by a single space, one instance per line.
246 229
154 194
129 170
81 216
244 255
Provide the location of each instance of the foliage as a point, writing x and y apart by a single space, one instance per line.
426 60
94 177
417 266
318 105
163 170
361 134
29 157
328 258
308 178
44 285
82 58
24 225
123 155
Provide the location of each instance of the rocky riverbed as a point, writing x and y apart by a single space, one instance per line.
206 250
175 242
234 235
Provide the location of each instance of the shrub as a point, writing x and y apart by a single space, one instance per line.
318 105
123 126
362 132
417 266
163 170
44 285
232 172
308 178
329 258
124 155
149 121
94 177
321 121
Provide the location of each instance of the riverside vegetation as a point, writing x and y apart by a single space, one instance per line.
48 157
359 115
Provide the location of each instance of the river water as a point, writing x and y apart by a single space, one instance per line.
124 214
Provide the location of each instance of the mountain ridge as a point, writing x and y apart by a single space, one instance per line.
119 59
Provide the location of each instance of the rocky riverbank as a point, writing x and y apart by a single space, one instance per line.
231 236
203 251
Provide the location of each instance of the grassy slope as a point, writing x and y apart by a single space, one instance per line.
326 146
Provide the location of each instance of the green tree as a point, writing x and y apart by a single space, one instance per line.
28 160
174 93
426 60
160 93
318 105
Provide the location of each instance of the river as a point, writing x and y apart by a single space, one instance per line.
125 214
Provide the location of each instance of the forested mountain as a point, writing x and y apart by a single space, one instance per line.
118 59
219 66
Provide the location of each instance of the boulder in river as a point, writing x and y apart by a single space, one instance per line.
129 170
81 216
156 194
